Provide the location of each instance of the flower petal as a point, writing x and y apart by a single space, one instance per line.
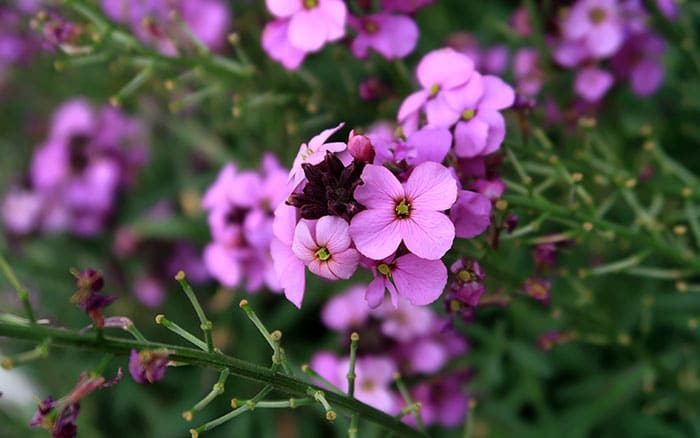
432 69
343 264
432 144
283 8
375 292
381 188
427 234
418 280
290 271
307 30
411 105
431 186
497 94
332 233
375 233
471 214
304 246
470 138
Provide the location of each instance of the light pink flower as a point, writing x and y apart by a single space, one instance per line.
275 41
597 23
346 310
393 36
314 152
312 23
410 212
471 214
289 269
324 246
592 83
418 280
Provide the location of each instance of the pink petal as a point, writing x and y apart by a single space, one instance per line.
427 234
439 113
304 246
497 94
376 233
275 41
471 214
497 130
335 13
418 280
432 144
343 264
467 96
283 8
324 135
431 186
332 233
433 68
411 104
375 292
290 271
284 223
470 138
605 39
427 356
222 264
381 189
307 30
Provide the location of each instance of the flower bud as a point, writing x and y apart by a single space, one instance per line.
360 147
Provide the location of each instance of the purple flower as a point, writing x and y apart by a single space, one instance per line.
443 402
88 296
324 246
407 6
275 41
149 290
471 214
640 61
418 280
426 144
669 8
288 267
528 72
392 36
405 321
361 147
592 83
481 128
148 366
312 23
313 153
597 23
347 310
410 212
437 81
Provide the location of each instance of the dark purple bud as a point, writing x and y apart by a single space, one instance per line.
511 222
65 426
360 147
88 279
148 366
43 410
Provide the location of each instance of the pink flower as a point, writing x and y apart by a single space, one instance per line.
314 152
346 310
592 83
276 43
312 23
410 212
597 24
418 280
471 214
393 36
437 81
405 321
324 246
407 6
481 128
289 269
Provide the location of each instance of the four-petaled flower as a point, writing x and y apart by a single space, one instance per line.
325 247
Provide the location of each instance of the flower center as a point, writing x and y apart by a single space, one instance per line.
466 276
384 269
434 90
597 15
468 114
323 254
310 4
402 209
370 27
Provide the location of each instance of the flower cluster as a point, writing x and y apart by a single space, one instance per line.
605 41
75 176
305 26
387 202
408 340
170 25
240 207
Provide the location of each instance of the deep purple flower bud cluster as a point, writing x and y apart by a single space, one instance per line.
240 207
88 296
156 22
76 175
148 366
305 26
407 339
386 201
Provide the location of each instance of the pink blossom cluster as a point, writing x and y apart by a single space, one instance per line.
240 207
159 22
409 340
76 175
301 27
605 41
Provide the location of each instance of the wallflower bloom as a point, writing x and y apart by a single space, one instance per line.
593 83
312 23
288 267
392 36
481 128
346 310
409 212
418 280
471 214
275 41
148 366
314 152
597 23
640 61
325 247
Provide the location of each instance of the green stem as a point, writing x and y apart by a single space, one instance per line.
266 334
286 384
22 293
401 386
205 324
216 391
184 334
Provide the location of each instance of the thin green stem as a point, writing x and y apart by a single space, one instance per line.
320 397
283 383
22 293
184 334
266 334
355 419
401 386
247 406
216 391
205 324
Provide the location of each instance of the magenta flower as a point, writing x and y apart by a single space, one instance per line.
640 61
275 41
426 144
347 310
325 247
481 128
409 212
444 402
392 36
418 280
407 6
405 321
471 214
592 83
314 152
437 81
597 23
148 366
312 23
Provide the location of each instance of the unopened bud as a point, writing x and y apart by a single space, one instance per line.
361 148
